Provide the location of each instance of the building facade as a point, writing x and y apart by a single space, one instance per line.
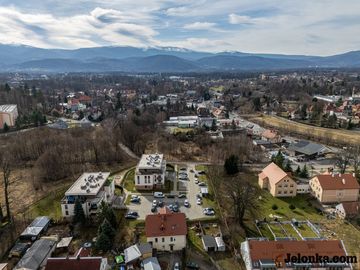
335 188
166 230
8 114
91 189
150 172
277 182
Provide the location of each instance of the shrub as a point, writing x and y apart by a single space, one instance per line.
292 207
274 207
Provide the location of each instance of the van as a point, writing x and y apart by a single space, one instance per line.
159 195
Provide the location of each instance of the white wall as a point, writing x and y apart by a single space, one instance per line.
178 242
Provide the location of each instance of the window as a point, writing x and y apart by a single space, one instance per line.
66 213
171 239
285 192
291 192
163 239
156 240
279 192
138 180
292 185
66 206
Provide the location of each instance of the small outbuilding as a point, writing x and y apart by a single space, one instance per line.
209 243
35 229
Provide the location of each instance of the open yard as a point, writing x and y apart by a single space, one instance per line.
337 136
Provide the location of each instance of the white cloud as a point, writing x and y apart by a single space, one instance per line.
237 19
200 26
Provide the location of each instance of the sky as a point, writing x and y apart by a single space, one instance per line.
310 27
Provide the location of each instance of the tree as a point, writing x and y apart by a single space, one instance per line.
343 159
7 87
106 228
257 104
244 196
213 125
103 242
6 127
278 159
303 112
298 171
304 172
6 171
79 215
231 165
1 214
288 166
107 213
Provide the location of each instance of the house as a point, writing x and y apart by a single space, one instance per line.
150 172
137 252
35 229
335 188
271 135
264 254
348 209
308 149
166 230
8 114
209 243
78 262
91 189
151 263
277 182
4 266
36 256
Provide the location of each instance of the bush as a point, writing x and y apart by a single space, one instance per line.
274 207
292 207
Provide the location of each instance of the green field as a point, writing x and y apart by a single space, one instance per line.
290 231
306 231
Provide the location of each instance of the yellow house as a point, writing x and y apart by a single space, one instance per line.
278 182
335 188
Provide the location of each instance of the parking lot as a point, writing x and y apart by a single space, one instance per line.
192 189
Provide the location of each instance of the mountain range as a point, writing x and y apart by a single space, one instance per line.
162 59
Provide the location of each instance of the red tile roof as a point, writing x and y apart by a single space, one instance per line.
86 263
165 223
351 208
337 181
278 250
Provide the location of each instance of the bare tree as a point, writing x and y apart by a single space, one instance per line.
6 172
244 196
343 159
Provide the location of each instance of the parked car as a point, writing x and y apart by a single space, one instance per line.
202 184
181 196
196 181
209 211
192 171
183 169
132 215
135 200
153 209
161 203
198 201
199 196
176 266
159 195
155 203
186 203
133 196
192 265
201 172
170 196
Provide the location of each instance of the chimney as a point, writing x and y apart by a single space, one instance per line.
339 174
353 175
343 181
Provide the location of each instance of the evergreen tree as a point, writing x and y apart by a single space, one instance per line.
107 213
7 87
79 215
298 171
103 242
6 127
304 172
107 229
213 125
278 159
231 165
288 166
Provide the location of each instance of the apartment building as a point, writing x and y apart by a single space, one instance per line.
277 182
150 172
271 255
335 188
91 189
8 115
166 230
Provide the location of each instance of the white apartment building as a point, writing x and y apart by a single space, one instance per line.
150 172
8 115
91 189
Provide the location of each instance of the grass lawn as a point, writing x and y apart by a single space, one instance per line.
49 205
200 168
277 230
265 231
195 241
129 180
306 231
181 130
290 231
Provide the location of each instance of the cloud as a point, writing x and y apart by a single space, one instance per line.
237 19
200 26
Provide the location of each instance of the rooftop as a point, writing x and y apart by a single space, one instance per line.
273 172
88 184
74 263
151 161
307 148
337 181
165 223
8 107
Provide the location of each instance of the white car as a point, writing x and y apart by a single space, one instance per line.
186 203
199 201
196 181
159 195
176 266
154 203
134 196
209 211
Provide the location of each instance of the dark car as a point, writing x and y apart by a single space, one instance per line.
135 200
192 265
128 216
181 196
201 172
170 196
153 209
161 204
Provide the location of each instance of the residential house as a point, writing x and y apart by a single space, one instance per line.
277 182
137 252
36 256
335 188
91 189
166 230
8 114
271 135
271 255
348 209
211 243
150 172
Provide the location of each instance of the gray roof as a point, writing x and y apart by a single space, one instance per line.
306 147
145 248
209 241
151 263
36 227
36 255
132 253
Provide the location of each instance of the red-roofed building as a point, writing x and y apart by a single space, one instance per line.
332 188
166 230
263 254
77 263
